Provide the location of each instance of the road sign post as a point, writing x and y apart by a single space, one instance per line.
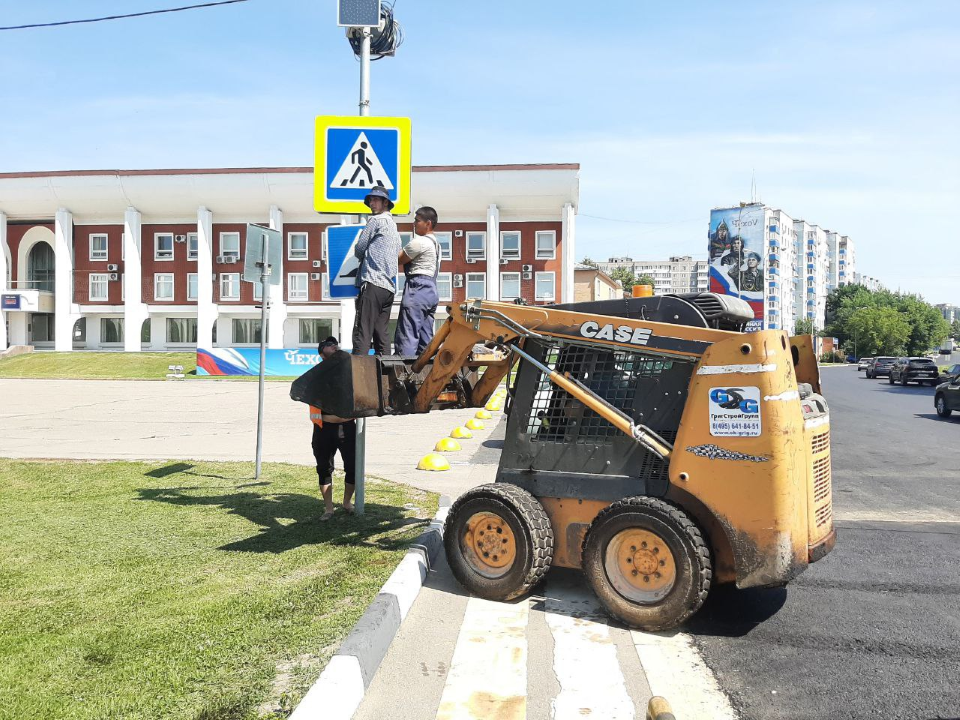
260 256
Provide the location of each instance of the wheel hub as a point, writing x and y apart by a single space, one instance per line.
489 544
640 565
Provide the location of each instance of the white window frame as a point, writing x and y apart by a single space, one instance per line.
446 253
448 277
303 296
106 286
503 254
157 277
196 286
483 245
233 334
553 252
194 253
400 282
257 290
166 327
324 286
230 298
224 252
467 280
503 295
320 337
536 283
306 245
106 247
156 247
103 334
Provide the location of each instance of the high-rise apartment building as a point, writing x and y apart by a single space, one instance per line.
678 274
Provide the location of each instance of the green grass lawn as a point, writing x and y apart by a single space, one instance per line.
96 365
180 590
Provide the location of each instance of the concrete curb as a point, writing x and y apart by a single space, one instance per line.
338 691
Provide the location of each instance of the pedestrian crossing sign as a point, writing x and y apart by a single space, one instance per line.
355 154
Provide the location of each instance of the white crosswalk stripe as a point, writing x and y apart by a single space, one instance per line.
584 658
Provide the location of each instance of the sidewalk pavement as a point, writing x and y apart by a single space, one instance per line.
216 420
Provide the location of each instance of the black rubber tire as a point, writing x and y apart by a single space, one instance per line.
940 402
531 528
890 379
903 380
694 566
869 376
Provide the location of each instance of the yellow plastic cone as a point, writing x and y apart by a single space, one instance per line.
475 424
494 405
461 432
433 462
447 444
483 415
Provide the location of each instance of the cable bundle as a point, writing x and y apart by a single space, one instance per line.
384 40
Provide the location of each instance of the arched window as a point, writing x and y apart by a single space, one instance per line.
41 268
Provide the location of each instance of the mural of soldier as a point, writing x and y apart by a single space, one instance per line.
719 241
751 279
734 256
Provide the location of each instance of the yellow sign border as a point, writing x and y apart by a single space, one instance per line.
356 207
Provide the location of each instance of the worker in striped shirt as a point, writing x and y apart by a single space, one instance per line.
377 249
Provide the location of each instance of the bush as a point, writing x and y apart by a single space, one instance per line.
832 357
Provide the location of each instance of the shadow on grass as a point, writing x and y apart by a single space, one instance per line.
289 520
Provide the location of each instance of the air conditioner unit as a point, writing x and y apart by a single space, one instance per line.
231 258
471 261
114 276
458 233
180 238
527 268
458 280
528 276
314 276
112 268
220 259
317 263
503 261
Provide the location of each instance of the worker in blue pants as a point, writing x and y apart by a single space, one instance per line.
420 258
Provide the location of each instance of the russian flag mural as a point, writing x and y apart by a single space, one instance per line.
246 361
736 247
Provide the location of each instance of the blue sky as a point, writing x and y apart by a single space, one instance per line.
847 112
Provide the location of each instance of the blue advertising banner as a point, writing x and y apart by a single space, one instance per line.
246 361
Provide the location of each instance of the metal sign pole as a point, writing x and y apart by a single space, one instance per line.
264 299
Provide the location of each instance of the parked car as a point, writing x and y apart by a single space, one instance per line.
920 370
950 373
863 364
947 398
851 359
880 366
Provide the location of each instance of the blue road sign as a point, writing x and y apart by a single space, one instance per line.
341 261
356 154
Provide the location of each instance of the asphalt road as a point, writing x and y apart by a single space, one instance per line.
873 629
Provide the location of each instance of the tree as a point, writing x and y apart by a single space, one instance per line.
880 331
588 261
645 280
803 326
955 329
626 277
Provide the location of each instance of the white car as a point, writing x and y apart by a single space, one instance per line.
862 365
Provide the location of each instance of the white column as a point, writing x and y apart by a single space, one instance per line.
348 316
134 309
277 314
66 314
568 218
493 253
206 310
4 249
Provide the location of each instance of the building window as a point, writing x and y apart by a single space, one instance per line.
325 286
314 331
446 244
98 246
111 331
229 286
246 331
230 244
163 287
191 286
297 246
163 246
401 282
297 287
546 245
257 290
476 246
545 285
42 328
510 245
181 331
445 286
99 283
509 286
405 238
193 246
476 285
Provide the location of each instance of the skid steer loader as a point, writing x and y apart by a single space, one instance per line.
650 442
